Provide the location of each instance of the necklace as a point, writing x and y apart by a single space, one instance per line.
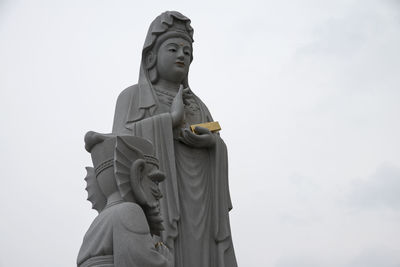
164 92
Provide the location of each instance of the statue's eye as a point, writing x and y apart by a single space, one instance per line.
172 49
187 53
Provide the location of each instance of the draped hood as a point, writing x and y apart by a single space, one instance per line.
167 25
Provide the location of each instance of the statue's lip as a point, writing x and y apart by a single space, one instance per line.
180 63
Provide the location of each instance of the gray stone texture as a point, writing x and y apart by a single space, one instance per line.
123 188
161 108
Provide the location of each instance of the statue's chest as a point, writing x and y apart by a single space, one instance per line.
191 109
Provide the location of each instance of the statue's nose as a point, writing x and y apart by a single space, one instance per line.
180 54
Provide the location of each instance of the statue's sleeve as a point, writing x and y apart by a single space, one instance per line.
121 109
132 243
158 130
219 157
219 168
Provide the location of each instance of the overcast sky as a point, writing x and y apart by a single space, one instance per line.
307 94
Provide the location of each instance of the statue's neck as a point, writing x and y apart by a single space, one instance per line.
167 85
114 198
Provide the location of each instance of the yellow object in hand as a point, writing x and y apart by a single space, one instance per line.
212 126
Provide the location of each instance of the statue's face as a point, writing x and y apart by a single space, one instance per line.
173 59
152 194
149 184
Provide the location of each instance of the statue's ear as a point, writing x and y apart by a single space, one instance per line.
150 59
137 174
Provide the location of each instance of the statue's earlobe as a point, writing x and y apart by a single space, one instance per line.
150 59
137 174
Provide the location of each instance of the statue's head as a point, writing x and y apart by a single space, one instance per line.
167 51
125 165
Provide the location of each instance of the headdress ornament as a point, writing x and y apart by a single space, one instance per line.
118 153
168 22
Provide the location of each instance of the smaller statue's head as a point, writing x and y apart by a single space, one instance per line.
167 51
125 168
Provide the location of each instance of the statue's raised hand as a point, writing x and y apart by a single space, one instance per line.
177 108
203 138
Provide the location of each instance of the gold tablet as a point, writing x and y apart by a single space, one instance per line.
212 126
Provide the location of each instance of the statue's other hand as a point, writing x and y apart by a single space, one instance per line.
177 108
163 250
203 138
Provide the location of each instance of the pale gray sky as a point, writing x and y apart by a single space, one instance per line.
307 94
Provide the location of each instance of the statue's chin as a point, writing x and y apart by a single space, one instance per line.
176 76
154 220
180 77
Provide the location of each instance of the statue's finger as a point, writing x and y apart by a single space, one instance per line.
191 137
201 130
180 92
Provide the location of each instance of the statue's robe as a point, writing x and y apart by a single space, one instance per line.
196 201
120 237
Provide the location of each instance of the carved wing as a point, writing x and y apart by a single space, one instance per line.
95 196
124 156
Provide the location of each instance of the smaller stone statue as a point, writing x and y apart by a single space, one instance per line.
123 188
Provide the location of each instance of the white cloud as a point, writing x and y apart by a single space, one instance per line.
306 93
376 257
298 262
380 190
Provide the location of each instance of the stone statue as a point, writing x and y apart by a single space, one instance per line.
161 107
123 188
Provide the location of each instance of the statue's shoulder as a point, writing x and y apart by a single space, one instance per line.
128 92
131 217
122 106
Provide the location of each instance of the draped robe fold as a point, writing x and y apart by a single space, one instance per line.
196 201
